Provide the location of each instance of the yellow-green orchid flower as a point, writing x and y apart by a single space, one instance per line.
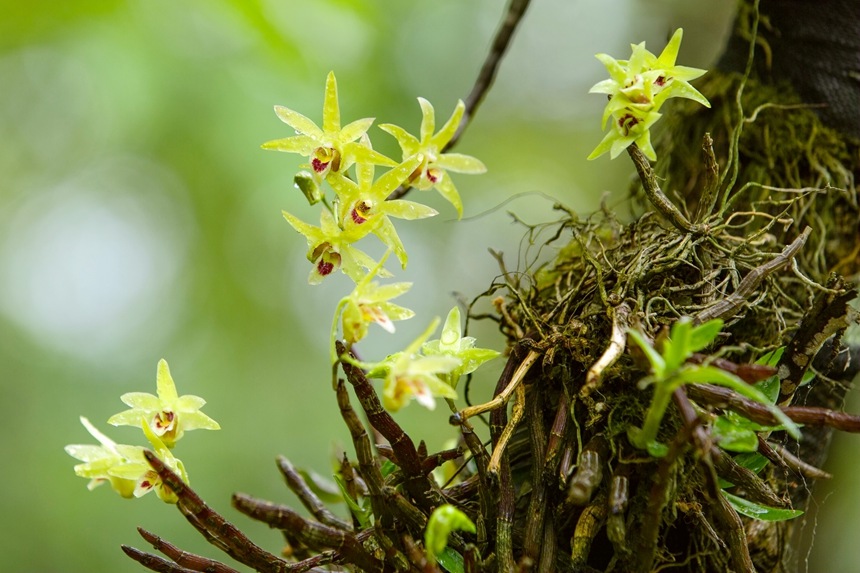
330 248
434 168
363 206
145 479
409 375
168 415
453 343
637 88
331 149
100 460
369 302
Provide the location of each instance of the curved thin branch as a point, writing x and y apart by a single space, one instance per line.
515 12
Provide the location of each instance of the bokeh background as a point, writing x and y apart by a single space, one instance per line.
139 219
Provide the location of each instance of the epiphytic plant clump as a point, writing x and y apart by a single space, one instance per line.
654 367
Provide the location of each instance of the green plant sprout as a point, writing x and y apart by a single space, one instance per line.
637 88
164 419
445 520
670 370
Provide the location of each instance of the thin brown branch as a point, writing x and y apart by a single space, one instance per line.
589 472
759 413
619 493
730 305
154 562
183 558
367 464
506 503
514 14
502 397
828 315
587 527
755 488
658 199
212 525
711 186
315 535
516 417
721 510
536 517
418 483
308 498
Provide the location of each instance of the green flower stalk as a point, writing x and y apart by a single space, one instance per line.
432 173
332 148
637 88
167 415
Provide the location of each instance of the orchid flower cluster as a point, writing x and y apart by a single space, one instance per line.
357 205
164 419
637 88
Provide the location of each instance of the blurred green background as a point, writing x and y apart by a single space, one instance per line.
139 219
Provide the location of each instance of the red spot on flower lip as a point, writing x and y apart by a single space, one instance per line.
325 268
432 176
356 217
318 165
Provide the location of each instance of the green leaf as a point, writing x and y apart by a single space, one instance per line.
326 490
656 449
758 511
770 388
676 350
754 462
704 334
658 365
444 520
734 438
712 375
771 358
388 467
451 561
362 514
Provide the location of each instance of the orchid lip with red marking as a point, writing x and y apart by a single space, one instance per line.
356 217
325 268
318 165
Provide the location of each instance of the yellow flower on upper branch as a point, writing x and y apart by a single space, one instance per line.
433 169
637 88
331 149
